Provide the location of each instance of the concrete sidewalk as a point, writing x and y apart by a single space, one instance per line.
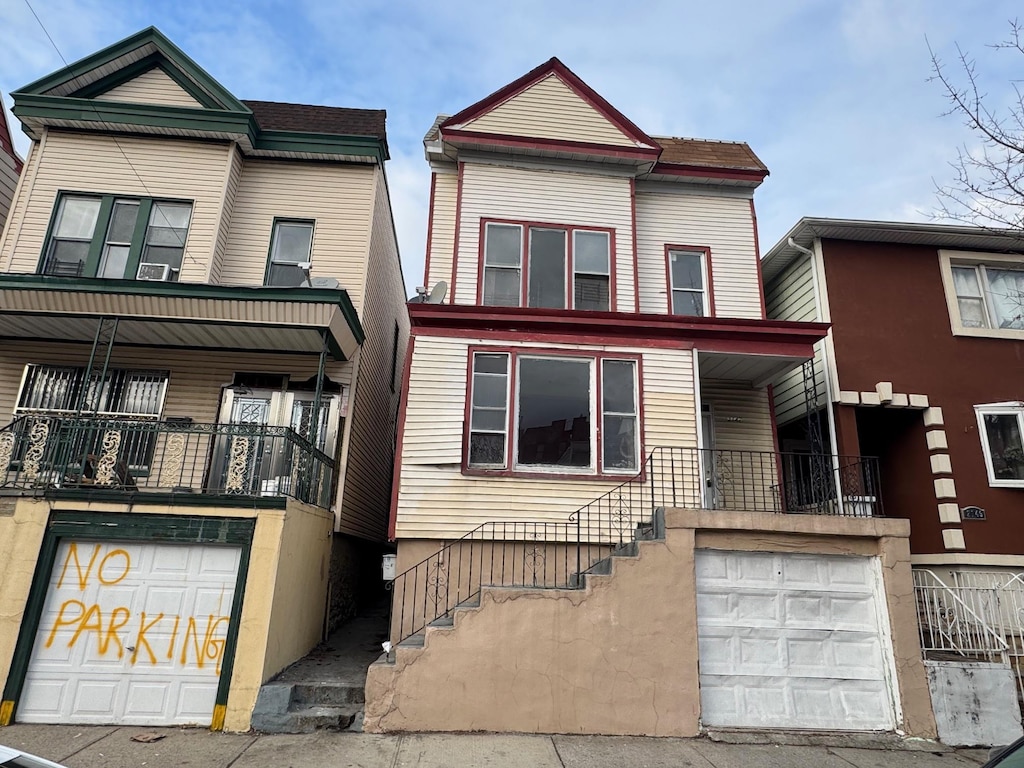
112 747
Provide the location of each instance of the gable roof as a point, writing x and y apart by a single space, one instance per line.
952 236
709 153
73 97
7 140
638 143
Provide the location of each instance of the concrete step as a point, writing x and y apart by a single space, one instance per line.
413 641
306 720
305 695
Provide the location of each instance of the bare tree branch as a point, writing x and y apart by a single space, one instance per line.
988 180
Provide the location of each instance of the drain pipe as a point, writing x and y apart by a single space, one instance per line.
833 444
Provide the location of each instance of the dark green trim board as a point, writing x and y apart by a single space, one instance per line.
168 50
321 144
137 528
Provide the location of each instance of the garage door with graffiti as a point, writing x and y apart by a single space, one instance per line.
131 633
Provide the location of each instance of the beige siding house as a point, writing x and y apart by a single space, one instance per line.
204 328
591 511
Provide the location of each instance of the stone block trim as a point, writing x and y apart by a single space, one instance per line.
953 538
936 440
933 417
941 464
949 513
945 488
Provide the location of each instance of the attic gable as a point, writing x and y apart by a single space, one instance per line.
549 106
154 86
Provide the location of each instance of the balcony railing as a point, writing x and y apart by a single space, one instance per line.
39 452
555 554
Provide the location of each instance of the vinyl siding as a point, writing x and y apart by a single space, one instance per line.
338 197
19 203
723 224
184 170
547 196
152 87
234 175
549 109
437 501
442 228
790 296
369 463
8 183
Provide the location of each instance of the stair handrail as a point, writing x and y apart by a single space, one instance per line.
1002 647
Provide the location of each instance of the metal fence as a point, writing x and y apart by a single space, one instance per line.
248 460
554 555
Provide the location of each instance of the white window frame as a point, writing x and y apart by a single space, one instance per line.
575 271
998 409
273 259
705 301
502 267
595 364
950 259
472 387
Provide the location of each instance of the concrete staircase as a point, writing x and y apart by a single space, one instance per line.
308 707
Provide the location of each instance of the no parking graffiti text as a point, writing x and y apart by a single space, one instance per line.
203 646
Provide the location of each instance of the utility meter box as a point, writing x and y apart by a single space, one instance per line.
387 567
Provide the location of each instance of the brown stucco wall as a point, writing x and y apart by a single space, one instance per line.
890 322
619 657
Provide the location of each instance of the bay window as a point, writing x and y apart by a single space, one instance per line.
1001 427
533 412
546 267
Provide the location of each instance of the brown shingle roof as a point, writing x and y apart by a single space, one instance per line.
336 121
714 154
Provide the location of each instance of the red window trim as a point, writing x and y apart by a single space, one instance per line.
524 263
709 288
509 470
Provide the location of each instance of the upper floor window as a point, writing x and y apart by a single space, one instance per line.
989 296
1001 427
56 389
688 282
542 413
546 266
290 248
117 237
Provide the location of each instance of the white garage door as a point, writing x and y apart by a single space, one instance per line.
791 641
131 633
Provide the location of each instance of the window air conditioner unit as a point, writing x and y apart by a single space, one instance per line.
149 271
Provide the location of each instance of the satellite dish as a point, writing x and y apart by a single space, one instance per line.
438 292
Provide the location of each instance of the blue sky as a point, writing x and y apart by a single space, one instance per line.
831 94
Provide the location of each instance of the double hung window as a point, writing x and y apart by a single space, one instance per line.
546 266
989 296
574 414
290 248
117 237
1001 427
688 282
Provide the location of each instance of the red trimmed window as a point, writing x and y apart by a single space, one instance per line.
546 266
689 281
534 412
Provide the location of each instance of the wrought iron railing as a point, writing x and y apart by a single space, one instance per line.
39 452
555 554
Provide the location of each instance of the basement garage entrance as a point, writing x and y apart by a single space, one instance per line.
131 633
792 641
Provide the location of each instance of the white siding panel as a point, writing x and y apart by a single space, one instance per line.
742 417
369 462
186 170
790 296
152 87
550 109
553 197
228 202
19 204
340 199
442 228
437 501
723 224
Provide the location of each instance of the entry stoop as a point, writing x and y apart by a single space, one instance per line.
307 707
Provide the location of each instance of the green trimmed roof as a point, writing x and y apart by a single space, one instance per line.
73 97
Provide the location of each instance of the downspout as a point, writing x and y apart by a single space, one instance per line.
833 444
